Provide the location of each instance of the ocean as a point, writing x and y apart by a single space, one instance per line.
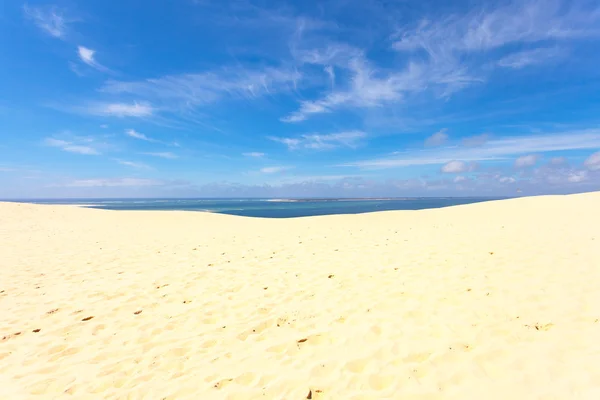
270 208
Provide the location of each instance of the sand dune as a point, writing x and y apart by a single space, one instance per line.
496 300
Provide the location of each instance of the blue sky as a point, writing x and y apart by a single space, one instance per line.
299 98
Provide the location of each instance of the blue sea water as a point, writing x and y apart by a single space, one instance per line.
270 208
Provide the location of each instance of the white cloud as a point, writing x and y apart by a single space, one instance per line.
274 170
446 68
87 56
526 161
496 149
447 44
507 179
104 126
163 154
593 162
114 182
531 57
578 176
133 164
459 179
370 87
135 109
528 21
455 167
50 19
309 107
437 139
317 141
71 147
137 135
203 88
291 143
254 154
558 160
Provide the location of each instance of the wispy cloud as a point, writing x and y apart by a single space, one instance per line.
50 19
136 165
446 55
531 57
496 149
87 56
368 87
306 179
137 135
163 154
71 147
135 109
274 170
330 71
437 139
203 88
528 21
315 141
114 182
254 154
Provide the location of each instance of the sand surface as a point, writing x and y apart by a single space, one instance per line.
496 300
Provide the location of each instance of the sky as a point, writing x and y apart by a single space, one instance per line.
336 98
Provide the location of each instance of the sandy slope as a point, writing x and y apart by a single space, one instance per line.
497 300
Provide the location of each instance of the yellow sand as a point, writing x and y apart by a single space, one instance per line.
497 300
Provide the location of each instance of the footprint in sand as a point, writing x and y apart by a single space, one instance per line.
11 336
222 383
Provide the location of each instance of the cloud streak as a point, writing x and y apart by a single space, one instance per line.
529 21
113 182
205 88
254 154
531 57
497 149
274 170
51 20
315 141
447 55
137 135
120 110
71 147
133 164
163 154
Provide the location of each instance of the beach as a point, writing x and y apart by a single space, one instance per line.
492 300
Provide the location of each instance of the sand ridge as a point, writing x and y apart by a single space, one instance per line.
491 300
